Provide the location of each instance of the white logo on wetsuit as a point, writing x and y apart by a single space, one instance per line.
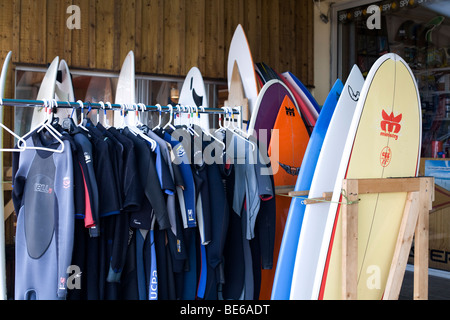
43 188
87 157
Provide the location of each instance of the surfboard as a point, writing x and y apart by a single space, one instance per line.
286 149
64 90
193 93
46 91
324 179
3 292
126 89
300 88
99 89
236 95
286 258
309 115
266 109
240 52
384 141
265 72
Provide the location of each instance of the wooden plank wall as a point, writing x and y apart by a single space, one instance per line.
168 37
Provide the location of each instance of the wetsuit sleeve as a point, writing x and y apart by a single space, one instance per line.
18 183
64 194
155 196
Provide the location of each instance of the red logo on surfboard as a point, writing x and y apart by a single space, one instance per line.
385 156
390 124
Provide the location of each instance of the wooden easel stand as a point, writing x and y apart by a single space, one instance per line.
414 224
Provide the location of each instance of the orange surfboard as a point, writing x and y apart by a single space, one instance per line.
286 149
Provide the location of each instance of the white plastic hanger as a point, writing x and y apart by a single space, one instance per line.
135 130
206 132
221 127
236 131
80 125
102 104
159 122
50 129
49 117
190 129
169 123
107 125
138 118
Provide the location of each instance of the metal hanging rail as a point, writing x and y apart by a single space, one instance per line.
117 107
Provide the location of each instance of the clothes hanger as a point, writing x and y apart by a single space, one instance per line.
135 130
49 114
50 130
159 122
138 114
107 125
221 127
179 110
190 128
184 109
80 125
123 109
13 134
68 124
236 127
206 132
169 123
102 104
236 132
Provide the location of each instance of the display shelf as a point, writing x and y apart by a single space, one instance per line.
415 224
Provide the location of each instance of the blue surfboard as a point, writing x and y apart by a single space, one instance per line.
288 249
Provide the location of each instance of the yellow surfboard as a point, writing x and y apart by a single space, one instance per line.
384 142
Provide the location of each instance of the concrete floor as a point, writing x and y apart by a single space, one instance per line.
438 287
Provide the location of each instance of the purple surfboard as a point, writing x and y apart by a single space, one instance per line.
266 109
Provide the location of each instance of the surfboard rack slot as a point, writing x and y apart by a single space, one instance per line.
414 224
326 196
298 193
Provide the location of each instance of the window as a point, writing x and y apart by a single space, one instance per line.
418 31
101 86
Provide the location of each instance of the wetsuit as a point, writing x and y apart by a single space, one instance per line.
43 192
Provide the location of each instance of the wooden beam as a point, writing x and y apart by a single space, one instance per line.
388 185
415 222
8 210
403 247
350 241
421 242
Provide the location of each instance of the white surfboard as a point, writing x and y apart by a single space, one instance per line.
126 89
3 292
64 91
46 91
193 94
240 52
324 179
